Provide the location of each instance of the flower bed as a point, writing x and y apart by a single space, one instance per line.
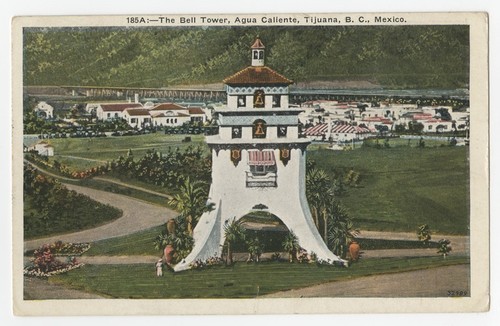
69 249
45 264
60 248
212 261
36 272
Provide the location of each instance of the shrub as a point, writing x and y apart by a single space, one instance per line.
444 247
424 234
50 208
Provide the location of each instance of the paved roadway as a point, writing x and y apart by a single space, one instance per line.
432 282
137 215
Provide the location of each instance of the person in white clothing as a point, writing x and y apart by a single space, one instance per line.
159 268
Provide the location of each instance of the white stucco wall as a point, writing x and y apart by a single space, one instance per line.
234 200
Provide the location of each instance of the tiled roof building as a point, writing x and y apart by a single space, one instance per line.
260 75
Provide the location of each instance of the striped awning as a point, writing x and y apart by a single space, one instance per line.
348 129
321 129
261 158
317 130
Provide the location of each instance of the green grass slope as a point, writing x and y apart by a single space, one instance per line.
238 281
401 188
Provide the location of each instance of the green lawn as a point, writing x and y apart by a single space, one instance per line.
142 244
403 187
119 189
238 281
82 153
400 187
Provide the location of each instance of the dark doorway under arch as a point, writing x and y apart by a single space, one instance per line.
267 228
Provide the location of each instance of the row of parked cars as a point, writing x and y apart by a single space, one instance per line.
131 132
76 134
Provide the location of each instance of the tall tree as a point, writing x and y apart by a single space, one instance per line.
319 192
340 228
190 202
291 245
233 232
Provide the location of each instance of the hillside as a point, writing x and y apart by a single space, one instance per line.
390 56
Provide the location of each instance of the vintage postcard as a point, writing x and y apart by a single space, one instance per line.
250 164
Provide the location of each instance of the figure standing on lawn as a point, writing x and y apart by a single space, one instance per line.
159 268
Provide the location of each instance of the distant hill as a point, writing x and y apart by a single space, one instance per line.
386 56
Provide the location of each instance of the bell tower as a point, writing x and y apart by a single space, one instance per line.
258 162
258 53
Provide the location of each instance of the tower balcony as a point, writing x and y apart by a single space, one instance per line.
261 181
262 169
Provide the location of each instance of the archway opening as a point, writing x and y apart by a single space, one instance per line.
264 236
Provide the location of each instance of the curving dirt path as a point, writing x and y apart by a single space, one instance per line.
137 215
431 282
40 289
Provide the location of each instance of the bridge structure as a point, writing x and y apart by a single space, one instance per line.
297 95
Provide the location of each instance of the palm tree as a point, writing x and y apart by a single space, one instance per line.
233 232
291 245
190 201
318 191
255 249
340 229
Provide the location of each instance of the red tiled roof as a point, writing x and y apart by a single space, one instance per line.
258 44
136 112
119 106
433 120
257 75
196 110
167 106
376 119
422 116
175 115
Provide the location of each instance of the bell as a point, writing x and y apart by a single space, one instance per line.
259 130
259 101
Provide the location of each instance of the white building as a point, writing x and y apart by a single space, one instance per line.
169 114
395 110
137 117
112 111
436 126
373 123
258 162
42 148
44 110
197 115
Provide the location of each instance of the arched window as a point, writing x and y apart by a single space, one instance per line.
259 129
261 55
259 99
